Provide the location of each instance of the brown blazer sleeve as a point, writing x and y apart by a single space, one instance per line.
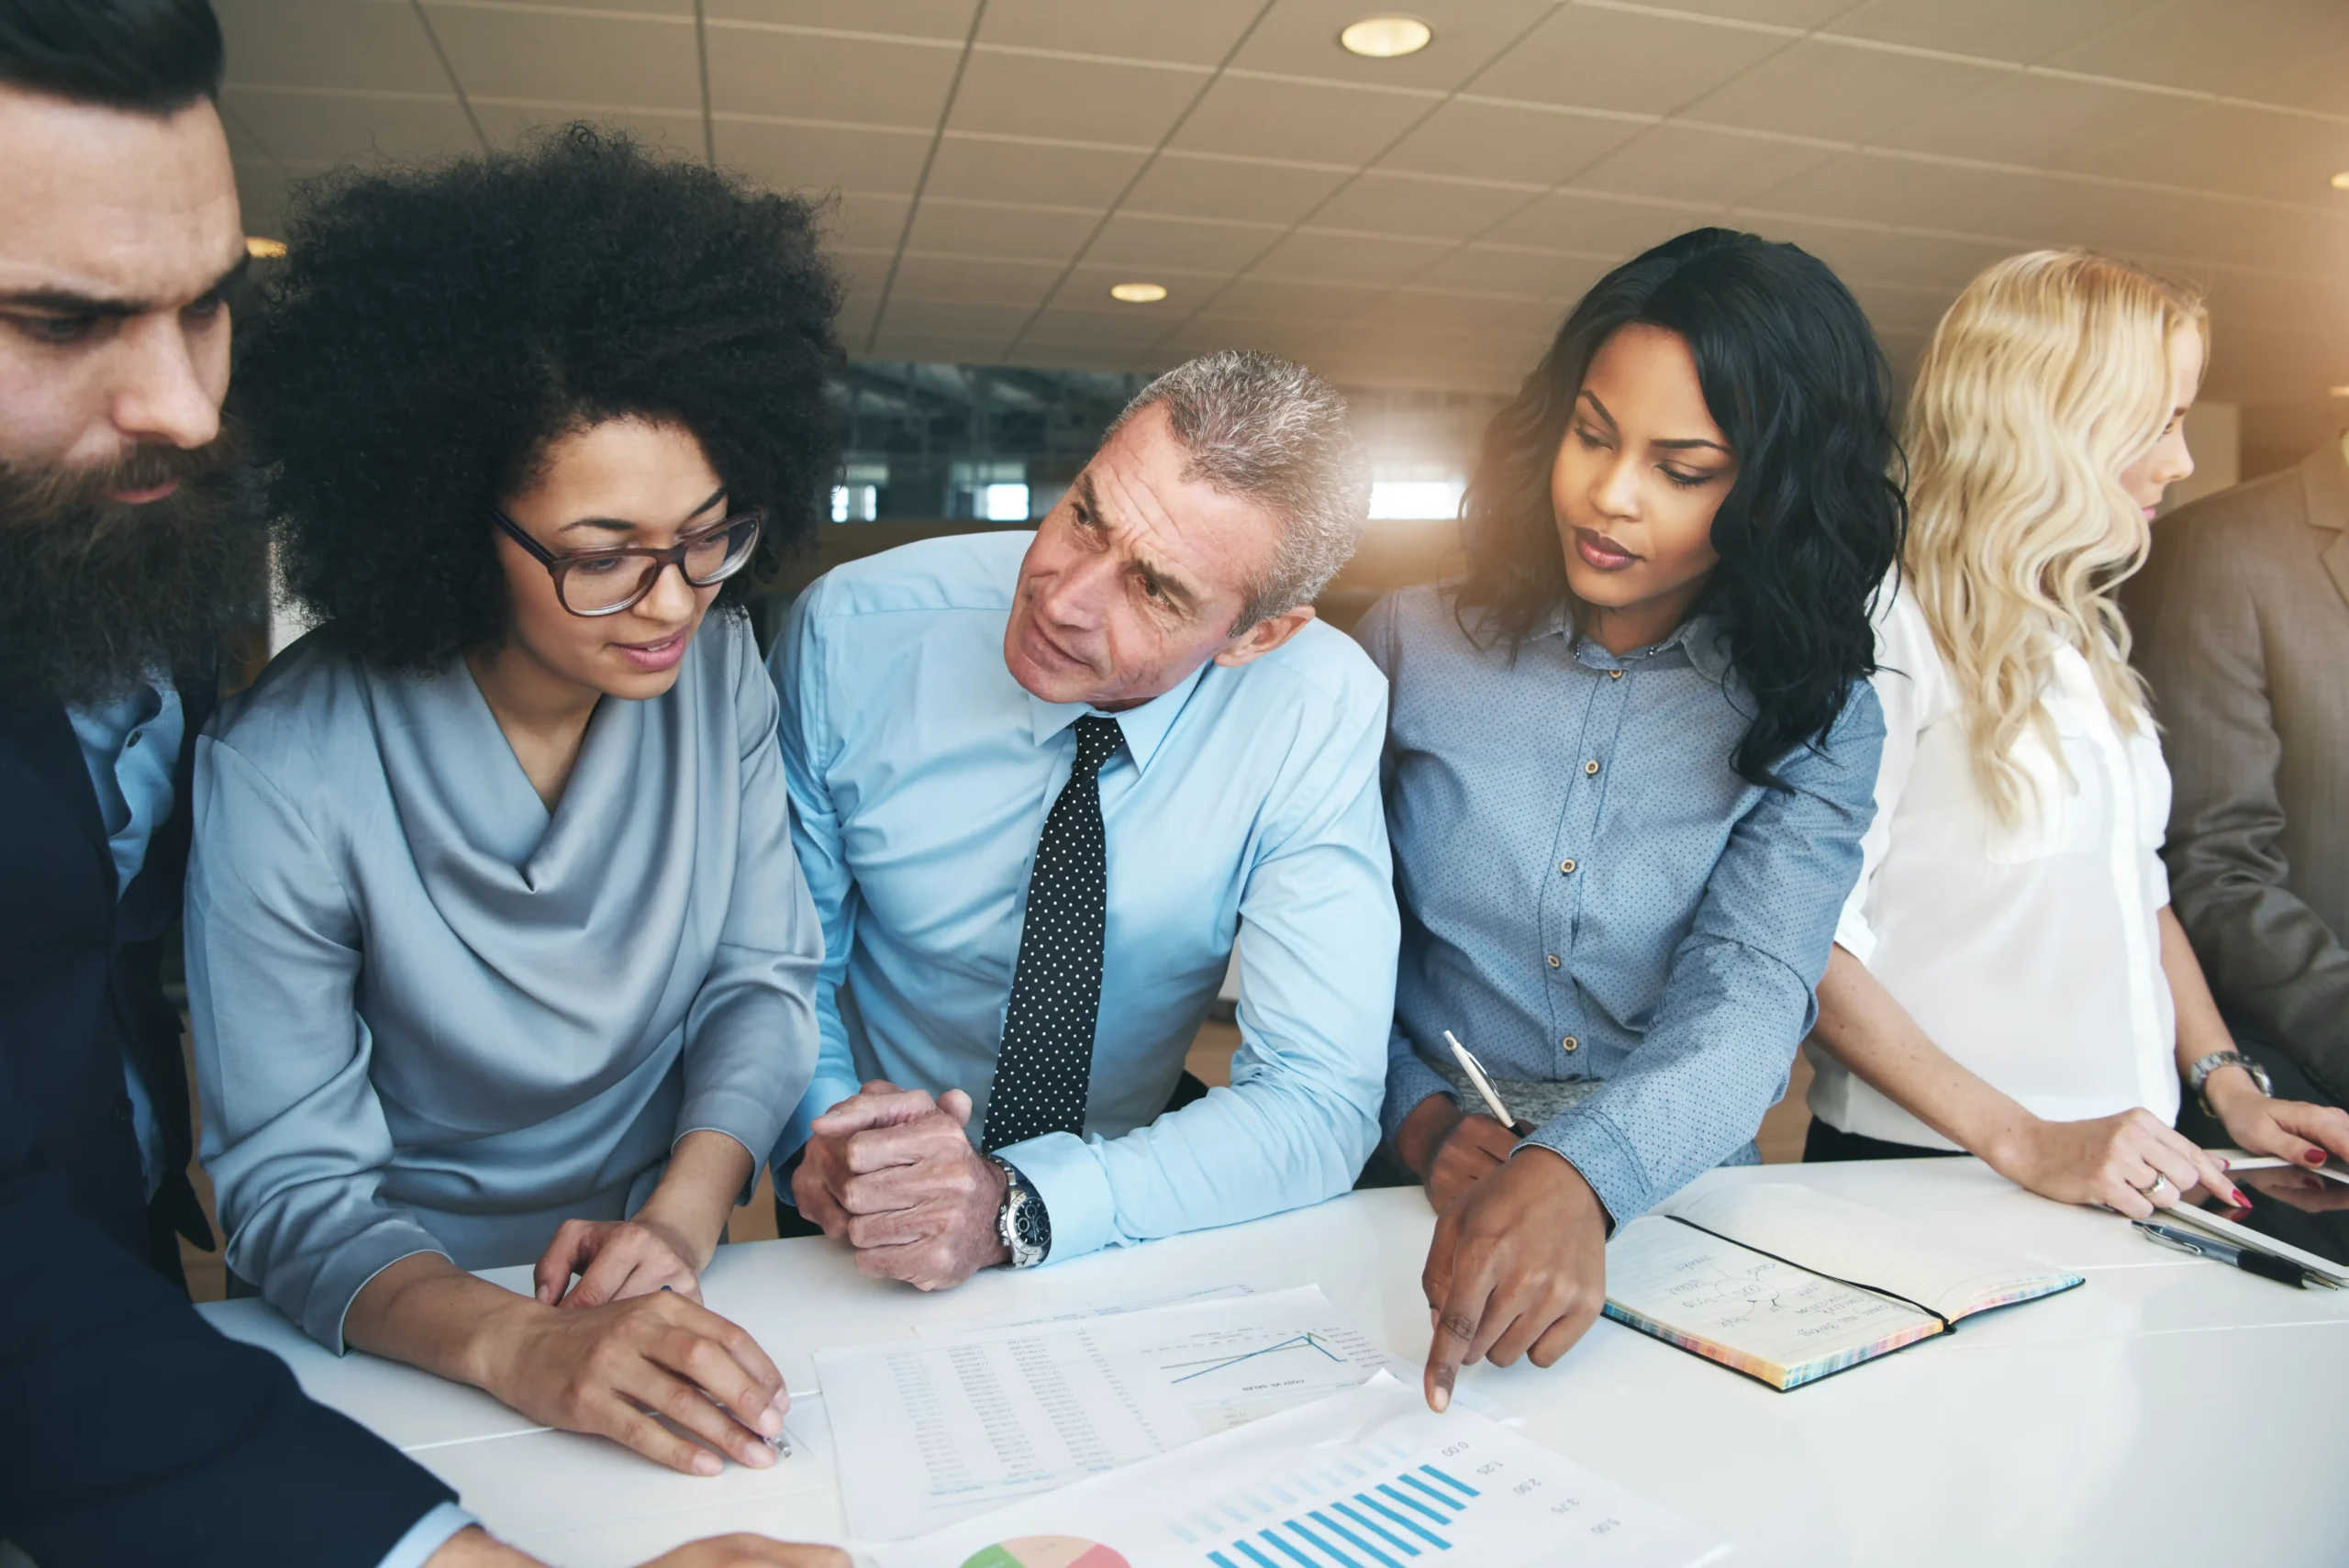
2228 613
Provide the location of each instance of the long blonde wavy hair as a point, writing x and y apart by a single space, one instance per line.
2047 377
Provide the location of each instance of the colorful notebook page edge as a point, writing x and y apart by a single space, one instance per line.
2038 1290
1771 1374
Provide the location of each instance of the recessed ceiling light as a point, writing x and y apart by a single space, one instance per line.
2338 391
256 246
1384 38
2341 181
1138 294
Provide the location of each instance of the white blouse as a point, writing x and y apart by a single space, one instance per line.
2030 955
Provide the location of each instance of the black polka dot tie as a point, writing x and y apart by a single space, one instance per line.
1045 1069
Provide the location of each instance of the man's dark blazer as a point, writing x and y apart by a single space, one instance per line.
130 1432
81 983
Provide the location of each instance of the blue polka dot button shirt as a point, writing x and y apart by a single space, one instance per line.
1589 891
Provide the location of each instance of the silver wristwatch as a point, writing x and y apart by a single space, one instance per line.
1025 1228
2199 1074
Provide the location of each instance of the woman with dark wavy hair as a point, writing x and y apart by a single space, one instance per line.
1630 758
496 947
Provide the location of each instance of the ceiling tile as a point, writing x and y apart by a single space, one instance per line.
585 58
1286 119
1073 355
1687 164
971 229
822 158
1894 310
304 127
951 279
1823 89
1072 100
1397 204
1535 274
1618 59
934 348
2241 151
1421 310
2313 85
979 168
2216 45
1856 253
1128 328
1199 185
1772 13
1591 224
914 18
864 222
1196 32
329 43
260 194
1301 37
674 134
2035 119
1276 299
960 318
805 77
1140 244
1912 193
2022 30
1376 259
1495 142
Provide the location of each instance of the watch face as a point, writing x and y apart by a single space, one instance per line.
1028 1222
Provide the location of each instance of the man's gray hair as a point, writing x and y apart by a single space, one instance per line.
1273 432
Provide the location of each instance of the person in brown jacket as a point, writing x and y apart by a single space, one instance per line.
2242 619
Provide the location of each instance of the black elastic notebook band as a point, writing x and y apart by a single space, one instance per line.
1947 1327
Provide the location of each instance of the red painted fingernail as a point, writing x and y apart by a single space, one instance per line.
2316 1156
2234 1196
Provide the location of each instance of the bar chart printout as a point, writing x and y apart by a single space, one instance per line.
1369 1478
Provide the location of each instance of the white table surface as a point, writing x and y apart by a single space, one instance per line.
2169 1411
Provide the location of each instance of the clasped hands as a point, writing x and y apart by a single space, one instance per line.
892 1173
1518 1266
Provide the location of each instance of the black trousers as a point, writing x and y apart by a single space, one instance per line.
791 1225
1826 1143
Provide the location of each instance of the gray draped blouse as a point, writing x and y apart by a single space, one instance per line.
431 1016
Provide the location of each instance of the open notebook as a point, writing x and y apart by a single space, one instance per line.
1787 1286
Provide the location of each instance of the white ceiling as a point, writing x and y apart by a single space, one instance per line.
997 164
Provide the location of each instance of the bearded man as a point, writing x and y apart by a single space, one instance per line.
119 237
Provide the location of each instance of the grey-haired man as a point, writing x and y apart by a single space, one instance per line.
1045 785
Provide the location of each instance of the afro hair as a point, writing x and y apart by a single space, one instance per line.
435 329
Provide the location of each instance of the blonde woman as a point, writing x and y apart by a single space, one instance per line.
2008 979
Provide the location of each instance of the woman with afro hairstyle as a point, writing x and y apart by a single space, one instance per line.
1628 762
496 947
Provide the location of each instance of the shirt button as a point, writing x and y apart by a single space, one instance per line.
1553 960
1591 767
1566 868
1614 675
133 741
1570 1043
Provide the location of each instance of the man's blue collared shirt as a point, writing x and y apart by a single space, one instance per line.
129 747
1241 814
1589 891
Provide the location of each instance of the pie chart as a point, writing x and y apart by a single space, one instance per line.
1046 1552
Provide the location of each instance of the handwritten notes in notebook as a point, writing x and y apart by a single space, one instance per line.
1787 1285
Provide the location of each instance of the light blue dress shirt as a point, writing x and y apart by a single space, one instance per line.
131 747
1589 891
1243 808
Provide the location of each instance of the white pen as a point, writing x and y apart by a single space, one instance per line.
1475 1070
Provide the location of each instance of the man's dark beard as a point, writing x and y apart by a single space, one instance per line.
96 595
